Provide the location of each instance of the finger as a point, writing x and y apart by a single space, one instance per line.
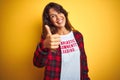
55 36
55 44
54 47
55 40
48 29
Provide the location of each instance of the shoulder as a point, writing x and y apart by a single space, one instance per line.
77 34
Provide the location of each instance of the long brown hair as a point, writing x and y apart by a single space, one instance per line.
46 18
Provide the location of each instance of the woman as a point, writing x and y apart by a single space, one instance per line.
61 49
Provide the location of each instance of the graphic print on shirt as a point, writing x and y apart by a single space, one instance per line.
70 69
68 46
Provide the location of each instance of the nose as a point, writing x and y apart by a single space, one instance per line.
58 16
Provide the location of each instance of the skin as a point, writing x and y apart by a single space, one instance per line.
58 19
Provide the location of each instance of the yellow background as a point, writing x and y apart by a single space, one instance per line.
20 29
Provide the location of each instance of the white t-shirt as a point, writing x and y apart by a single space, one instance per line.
70 68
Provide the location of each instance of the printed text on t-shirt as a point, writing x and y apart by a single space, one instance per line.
68 46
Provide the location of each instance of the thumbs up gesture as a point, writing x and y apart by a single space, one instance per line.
52 41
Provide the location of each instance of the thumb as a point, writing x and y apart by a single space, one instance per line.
48 30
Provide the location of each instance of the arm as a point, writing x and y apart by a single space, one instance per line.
40 55
83 57
84 65
50 42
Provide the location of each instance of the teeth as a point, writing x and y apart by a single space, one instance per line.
60 21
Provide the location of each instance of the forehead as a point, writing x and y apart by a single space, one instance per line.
52 10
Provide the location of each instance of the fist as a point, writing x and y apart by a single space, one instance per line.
52 41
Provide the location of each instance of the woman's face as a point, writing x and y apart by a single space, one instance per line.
57 18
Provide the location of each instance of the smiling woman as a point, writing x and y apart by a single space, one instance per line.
60 63
20 29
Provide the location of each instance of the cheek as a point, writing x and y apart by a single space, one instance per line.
53 21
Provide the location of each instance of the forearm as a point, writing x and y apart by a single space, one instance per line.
40 55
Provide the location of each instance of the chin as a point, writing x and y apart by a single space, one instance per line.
60 26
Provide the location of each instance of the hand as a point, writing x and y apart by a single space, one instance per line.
52 41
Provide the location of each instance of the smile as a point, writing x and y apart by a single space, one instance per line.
60 21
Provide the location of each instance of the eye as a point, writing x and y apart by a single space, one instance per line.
52 16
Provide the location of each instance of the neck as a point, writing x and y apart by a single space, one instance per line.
63 31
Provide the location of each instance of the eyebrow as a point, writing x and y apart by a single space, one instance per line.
53 13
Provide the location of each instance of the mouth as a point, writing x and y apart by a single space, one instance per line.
60 21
